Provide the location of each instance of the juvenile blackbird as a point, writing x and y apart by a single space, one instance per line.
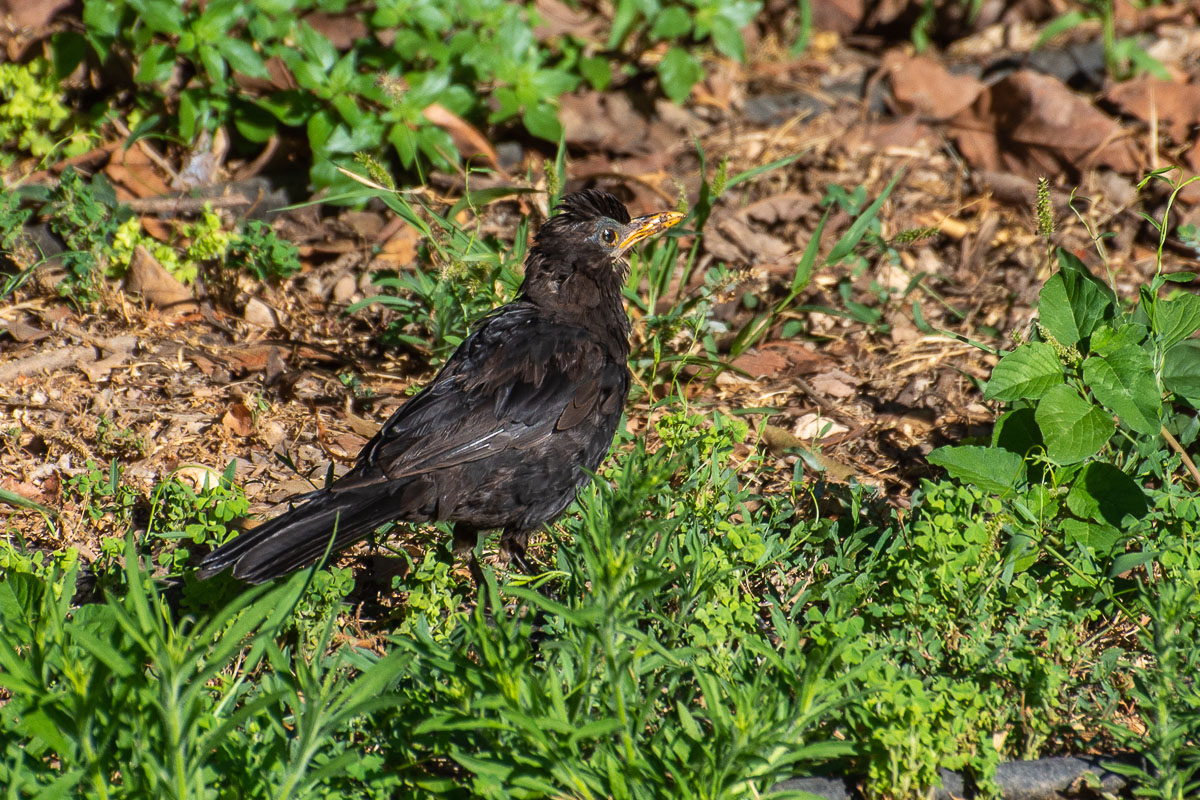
508 430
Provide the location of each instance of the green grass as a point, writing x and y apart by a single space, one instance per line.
699 635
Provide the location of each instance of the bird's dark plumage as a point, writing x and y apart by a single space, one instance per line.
508 430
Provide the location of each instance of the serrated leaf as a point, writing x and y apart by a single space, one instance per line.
989 468
1181 368
1027 372
1123 380
678 72
1107 340
1073 428
1101 538
1176 319
1073 302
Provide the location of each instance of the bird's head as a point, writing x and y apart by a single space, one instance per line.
587 240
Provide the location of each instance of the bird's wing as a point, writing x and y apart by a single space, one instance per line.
515 381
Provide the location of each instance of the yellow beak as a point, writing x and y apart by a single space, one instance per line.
644 227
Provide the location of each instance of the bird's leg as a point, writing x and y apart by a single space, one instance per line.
513 543
465 540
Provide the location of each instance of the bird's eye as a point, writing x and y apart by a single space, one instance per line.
608 236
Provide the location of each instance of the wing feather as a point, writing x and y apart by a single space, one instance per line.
511 384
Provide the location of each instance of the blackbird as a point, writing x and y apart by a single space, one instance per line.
508 430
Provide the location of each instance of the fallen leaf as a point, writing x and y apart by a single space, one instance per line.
1176 106
814 427
362 426
556 18
259 313
787 357
733 240
924 85
401 249
1032 125
832 384
97 371
197 476
785 207
839 16
159 287
31 13
134 174
467 138
342 30
21 331
238 420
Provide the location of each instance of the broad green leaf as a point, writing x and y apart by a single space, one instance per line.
156 64
1027 372
161 16
690 728
625 14
728 38
550 84
992 470
671 23
1075 270
1101 538
316 46
243 57
1107 340
1017 432
1181 368
1123 381
1104 493
1127 561
1073 302
678 72
597 71
1074 429
542 121
254 122
1176 319
214 64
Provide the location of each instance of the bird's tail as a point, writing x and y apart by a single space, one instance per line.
300 536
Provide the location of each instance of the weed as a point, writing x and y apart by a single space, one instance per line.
466 277
87 218
33 117
202 516
260 250
112 441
